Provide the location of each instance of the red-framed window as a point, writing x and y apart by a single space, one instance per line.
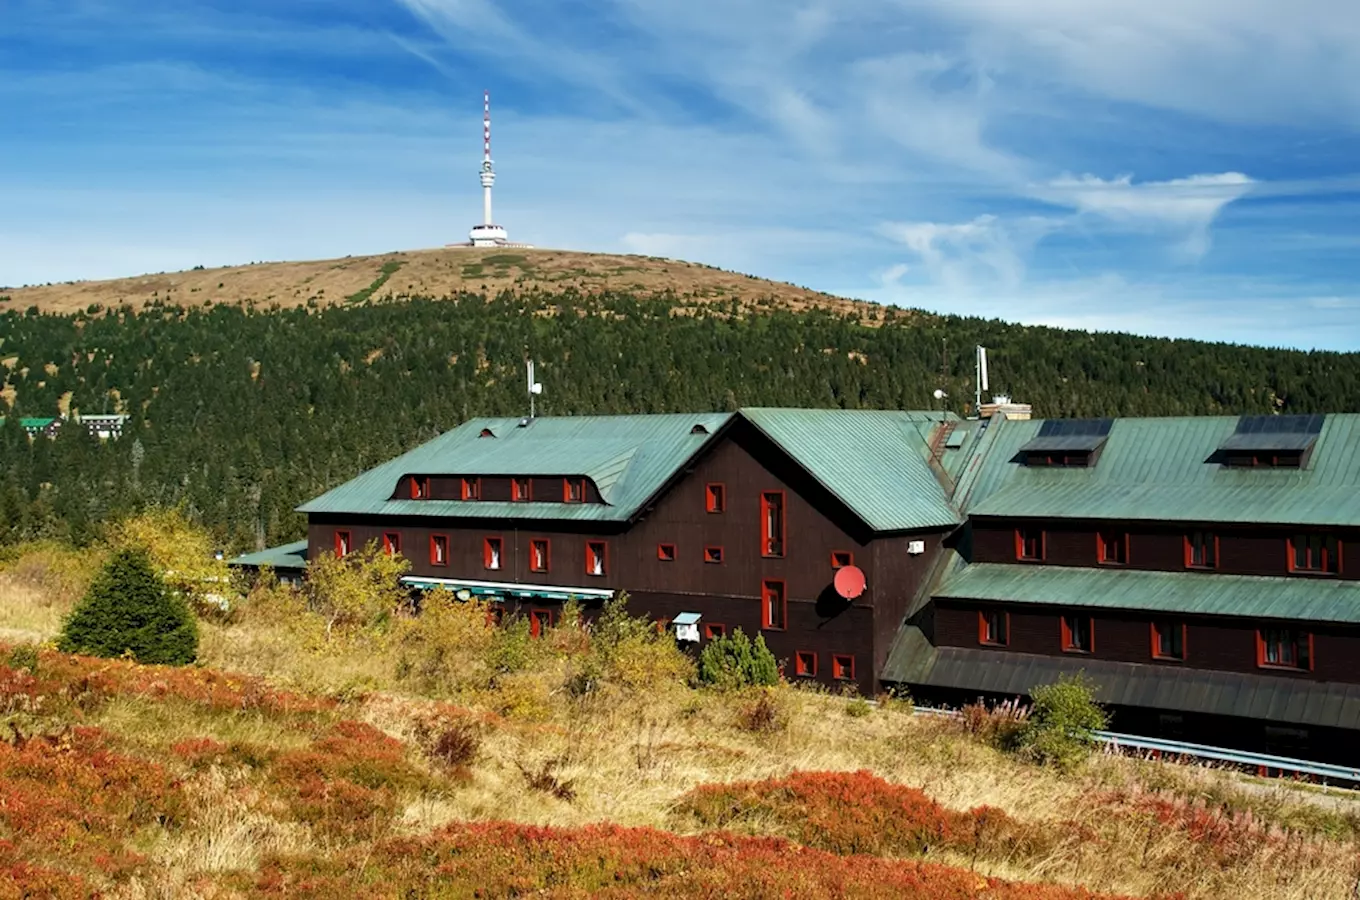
665 552
715 497
1078 634
540 620
493 554
1168 640
805 663
439 549
344 543
713 554
573 490
774 605
391 542
1030 544
1112 548
714 630
842 558
1284 648
597 558
540 555
1201 550
1315 553
521 490
772 523
843 666
472 489
420 487
994 627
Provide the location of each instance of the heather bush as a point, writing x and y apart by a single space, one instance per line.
735 661
129 611
764 712
999 726
1061 728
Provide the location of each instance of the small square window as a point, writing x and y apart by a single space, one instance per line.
715 497
842 558
805 663
540 620
994 627
843 666
573 490
439 550
1112 548
714 630
1315 553
665 552
492 553
420 487
343 543
540 555
1029 544
1078 634
391 543
1201 550
713 555
521 490
597 561
1168 640
472 489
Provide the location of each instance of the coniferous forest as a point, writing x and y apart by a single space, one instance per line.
239 414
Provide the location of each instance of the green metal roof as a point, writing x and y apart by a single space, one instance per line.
628 458
287 556
1273 697
1190 593
33 421
1159 469
875 461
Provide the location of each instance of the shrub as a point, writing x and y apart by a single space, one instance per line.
734 661
129 610
999 726
544 779
1062 723
455 743
182 553
360 590
858 708
765 714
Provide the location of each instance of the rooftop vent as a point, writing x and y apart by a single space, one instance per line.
1271 441
1067 442
698 429
487 432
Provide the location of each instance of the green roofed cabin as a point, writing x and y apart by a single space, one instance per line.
1195 568
38 426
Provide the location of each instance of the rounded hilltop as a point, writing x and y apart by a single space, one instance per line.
432 273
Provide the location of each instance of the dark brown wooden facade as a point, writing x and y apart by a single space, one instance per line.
725 587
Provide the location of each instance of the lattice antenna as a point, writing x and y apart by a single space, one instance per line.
486 125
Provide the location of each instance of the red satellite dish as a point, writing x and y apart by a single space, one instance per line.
849 582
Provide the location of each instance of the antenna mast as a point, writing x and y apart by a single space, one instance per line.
488 168
534 387
980 381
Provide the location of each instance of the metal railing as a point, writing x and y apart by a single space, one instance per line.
1263 764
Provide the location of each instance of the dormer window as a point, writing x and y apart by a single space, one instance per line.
486 433
1271 442
573 490
1070 443
521 490
420 487
472 489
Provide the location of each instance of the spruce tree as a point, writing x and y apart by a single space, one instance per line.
129 610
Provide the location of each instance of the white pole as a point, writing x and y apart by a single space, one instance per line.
486 204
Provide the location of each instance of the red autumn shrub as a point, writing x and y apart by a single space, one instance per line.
503 859
855 812
202 753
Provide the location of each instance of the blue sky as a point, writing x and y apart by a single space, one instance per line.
1187 168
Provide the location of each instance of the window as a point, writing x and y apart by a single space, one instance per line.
573 490
1078 634
492 553
665 552
714 630
391 543
540 620
772 523
843 667
805 663
1279 459
774 605
521 490
842 558
1168 640
486 432
540 555
1201 550
420 487
1315 553
713 555
994 627
343 543
715 497
1284 648
439 549
597 557
472 489
1112 548
1029 543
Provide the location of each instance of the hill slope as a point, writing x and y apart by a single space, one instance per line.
430 273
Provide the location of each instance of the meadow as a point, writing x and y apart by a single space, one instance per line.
351 749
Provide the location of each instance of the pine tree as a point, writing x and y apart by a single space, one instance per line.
129 610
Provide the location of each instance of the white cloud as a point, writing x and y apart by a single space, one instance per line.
986 251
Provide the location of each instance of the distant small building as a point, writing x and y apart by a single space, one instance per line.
38 426
104 427
286 562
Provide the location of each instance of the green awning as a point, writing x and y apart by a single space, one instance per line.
499 590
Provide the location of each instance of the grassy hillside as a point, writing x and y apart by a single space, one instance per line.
438 756
430 273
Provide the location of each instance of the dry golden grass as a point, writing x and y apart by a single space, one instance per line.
629 755
435 273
